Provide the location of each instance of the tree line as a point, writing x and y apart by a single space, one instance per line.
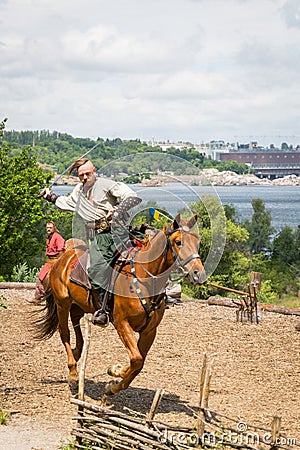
59 149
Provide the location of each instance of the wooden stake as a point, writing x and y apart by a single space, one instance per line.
156 401
86 344
200 421
275 430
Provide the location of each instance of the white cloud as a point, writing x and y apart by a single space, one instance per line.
291 13
190 69
104 48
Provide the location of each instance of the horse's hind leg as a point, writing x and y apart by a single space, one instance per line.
76 314
63 316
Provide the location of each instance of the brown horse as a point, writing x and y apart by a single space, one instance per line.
138 297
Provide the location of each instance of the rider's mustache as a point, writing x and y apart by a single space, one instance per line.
89 184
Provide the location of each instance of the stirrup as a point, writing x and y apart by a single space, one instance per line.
97 319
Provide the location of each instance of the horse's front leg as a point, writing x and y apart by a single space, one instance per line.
128 372
63 316
137 352
76 314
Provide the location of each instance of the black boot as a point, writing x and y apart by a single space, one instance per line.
100 316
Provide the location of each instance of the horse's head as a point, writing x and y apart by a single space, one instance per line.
184 245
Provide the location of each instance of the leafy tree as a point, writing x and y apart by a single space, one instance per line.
284 247
259 228
22 214
233 268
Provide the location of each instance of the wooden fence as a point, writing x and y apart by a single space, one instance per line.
101 427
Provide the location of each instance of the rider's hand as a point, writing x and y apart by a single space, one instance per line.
46 192
48 195
109 214
42 193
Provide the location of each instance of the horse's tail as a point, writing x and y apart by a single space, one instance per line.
47 323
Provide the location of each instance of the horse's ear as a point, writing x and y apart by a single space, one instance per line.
192 221
176 222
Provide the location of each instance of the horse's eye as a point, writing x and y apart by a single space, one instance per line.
178 243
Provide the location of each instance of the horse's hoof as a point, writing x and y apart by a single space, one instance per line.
73 386
105 401
114 371
111 388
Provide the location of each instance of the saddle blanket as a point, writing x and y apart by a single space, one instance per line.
78 273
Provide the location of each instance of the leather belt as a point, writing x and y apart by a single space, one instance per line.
101 225
97 227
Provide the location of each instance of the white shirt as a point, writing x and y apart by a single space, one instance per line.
104 195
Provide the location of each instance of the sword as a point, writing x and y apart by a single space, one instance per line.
67 169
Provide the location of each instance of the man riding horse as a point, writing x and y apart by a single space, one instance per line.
103 205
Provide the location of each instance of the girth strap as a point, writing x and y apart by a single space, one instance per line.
149 309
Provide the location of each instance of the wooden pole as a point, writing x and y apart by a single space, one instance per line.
207 387
228 289
200 420
86 344
156 401
255 280
275 430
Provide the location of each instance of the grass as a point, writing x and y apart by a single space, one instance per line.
4 415
2 301
68 446
289 300
71 446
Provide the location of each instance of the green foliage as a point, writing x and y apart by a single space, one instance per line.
68 446
286 246
24 274
259 228
23 216
58 149
2 127
233 268
4 415
21 212
266 294
71 445
234 166
2 302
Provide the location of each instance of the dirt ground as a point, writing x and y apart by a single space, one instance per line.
255 376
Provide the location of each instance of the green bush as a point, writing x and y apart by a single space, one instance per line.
24 274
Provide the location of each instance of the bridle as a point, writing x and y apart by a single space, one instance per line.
180 265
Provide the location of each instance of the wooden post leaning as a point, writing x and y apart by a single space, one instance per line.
83 359
204 388
156 400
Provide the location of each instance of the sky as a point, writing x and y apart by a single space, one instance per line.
177 70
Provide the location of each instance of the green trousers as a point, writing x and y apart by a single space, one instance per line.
102 251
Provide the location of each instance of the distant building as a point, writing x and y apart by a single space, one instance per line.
267 162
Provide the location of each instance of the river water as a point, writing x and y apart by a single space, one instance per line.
283 202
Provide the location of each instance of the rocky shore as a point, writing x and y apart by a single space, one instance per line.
228 178
216 178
